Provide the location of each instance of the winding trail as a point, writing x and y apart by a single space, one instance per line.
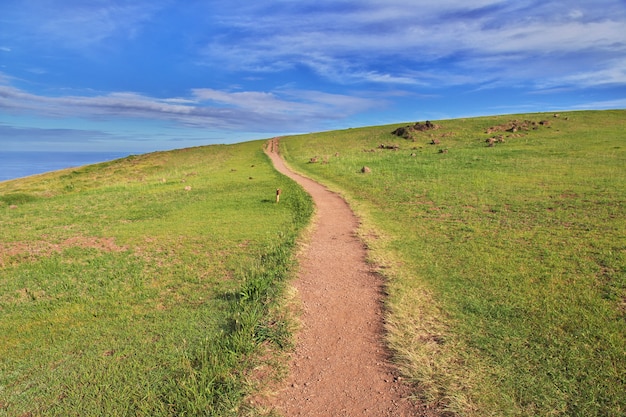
340 366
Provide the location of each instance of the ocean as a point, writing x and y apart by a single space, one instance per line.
17 164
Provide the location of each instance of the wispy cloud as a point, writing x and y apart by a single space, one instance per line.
79 23
599 105
614 74
247 110
391 42
53 136
350 41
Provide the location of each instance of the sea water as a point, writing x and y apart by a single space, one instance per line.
17 164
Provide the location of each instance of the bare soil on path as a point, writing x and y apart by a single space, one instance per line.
340 366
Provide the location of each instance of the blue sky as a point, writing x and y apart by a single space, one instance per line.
144 75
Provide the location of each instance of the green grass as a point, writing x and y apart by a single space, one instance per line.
506 265
122 293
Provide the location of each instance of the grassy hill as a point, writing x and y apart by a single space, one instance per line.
144 286
154 285
504 243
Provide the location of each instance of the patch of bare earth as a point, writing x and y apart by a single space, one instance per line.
340 366
35 249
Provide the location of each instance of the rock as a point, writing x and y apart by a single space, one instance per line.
403 132
407 131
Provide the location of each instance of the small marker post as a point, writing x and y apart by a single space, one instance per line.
278 191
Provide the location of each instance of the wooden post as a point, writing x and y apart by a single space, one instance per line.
278 191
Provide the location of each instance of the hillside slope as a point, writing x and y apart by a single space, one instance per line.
146 286
503 240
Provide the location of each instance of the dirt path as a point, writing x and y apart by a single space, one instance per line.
340 366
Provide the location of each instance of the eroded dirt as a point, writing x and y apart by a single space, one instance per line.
340 366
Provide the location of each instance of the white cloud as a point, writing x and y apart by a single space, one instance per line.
297 103
209 108
349 41
252 100
614 74
5 79
575 14
539 39
602 105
